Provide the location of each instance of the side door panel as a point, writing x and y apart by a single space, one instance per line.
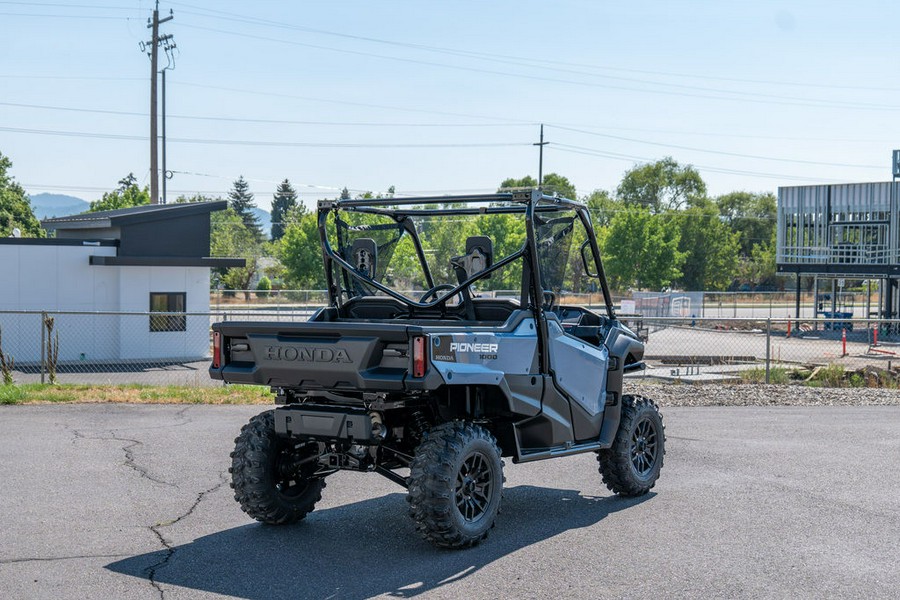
580 371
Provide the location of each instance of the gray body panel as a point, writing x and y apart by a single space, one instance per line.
579 369
485 357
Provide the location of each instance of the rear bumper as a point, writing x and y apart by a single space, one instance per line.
323 423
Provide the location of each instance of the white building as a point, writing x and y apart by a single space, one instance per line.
145 259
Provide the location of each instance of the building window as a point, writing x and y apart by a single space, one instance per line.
167 303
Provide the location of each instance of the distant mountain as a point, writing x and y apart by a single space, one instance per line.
57 205
265 220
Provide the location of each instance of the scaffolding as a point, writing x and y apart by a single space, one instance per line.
842 231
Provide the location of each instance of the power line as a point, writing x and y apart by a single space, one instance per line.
249 19
562 147
353 103
72 77
512 60
506 58
261 121
722 134
64 5
718 134
719 152
113 136
713 169
760 99
57 16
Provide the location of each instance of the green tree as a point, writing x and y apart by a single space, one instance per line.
196 198
370 195
240 199
602 207
710 248
507 233
759 268
557 184
284 201
553 183
752 216
229 237
523 182
641 250
263 287
405 271
15 207
661 185
127 195
299 250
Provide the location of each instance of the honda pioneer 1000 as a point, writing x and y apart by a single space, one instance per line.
431 388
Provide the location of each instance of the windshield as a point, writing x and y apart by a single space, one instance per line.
414 250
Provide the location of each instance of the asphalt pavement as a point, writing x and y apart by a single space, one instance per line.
123 501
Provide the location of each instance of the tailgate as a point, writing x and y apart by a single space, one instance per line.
314 355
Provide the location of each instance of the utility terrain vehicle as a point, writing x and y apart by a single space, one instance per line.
432 388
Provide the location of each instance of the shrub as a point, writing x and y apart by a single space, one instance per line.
754 375
777 375
832 376
263 287
6 363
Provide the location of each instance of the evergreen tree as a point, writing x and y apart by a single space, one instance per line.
127 195
240 199
283 202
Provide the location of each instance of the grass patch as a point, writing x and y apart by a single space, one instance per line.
778 375
37 393
831 376
11 394
754 375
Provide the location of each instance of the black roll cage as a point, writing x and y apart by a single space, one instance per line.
529 202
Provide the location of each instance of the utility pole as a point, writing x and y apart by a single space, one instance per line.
541 144
169 47
153 51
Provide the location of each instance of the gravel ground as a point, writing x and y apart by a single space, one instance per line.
763 395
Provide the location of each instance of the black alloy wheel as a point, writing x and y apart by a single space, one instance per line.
631 466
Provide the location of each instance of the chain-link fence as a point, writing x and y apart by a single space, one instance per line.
226 300
156 348
152 348
727 350
704 305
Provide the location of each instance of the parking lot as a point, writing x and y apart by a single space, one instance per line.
123 501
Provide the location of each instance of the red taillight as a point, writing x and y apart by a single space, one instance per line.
217 350
420 356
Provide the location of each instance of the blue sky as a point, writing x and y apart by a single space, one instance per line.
447 96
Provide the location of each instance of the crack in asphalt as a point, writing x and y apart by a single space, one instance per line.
128 449
130 462
168 548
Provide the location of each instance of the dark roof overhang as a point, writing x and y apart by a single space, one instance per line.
166 261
